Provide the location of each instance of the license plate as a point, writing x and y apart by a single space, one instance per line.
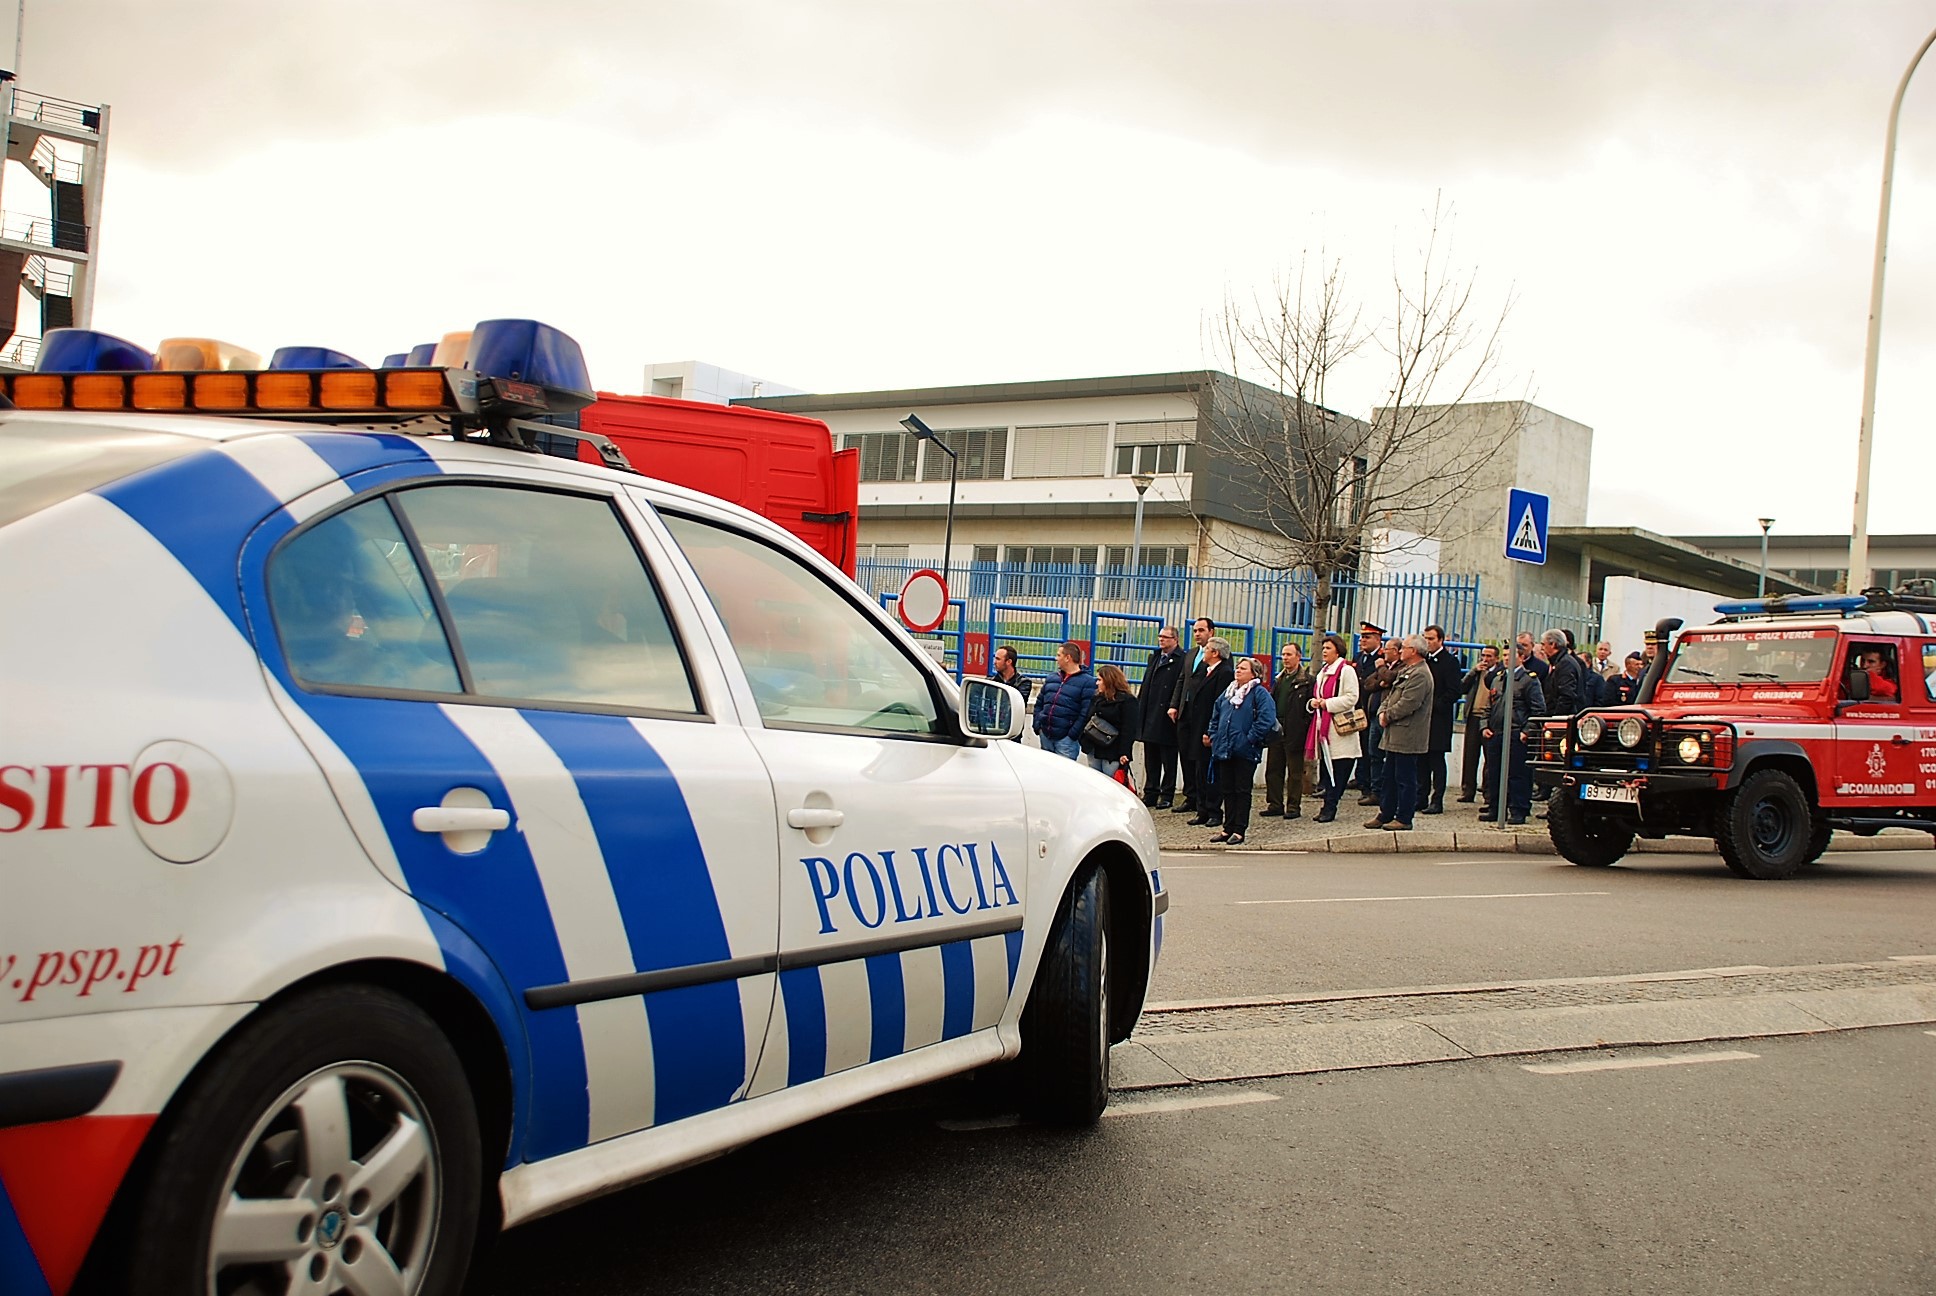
1610 792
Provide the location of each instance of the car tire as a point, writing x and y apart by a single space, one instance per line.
1765 828
1064 1070
1592 843
1818 835
233 1173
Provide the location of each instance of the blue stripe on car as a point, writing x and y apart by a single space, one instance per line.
20 1272
958 989
806 1018
665 896
352 452
1014 942
887 995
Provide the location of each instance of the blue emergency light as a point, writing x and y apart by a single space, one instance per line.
527 351
1789 605
420 355
75 350
396 360
308 357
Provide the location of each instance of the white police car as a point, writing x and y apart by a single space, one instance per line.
402 836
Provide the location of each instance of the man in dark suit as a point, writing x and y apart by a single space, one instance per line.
1160 676
1447 670
1194 701
1626 685
1200 631
1371 655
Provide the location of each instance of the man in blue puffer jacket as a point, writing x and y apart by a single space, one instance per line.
1062 706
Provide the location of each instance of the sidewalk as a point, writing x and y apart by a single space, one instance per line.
1458 829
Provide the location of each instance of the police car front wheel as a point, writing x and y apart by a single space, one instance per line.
330 1146
1065 1028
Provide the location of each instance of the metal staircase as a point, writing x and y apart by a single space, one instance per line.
47 227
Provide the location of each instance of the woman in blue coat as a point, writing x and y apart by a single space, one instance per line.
1240 725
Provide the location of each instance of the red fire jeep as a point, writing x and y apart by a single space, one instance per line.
1787 719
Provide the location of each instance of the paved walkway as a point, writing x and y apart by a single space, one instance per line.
1458 829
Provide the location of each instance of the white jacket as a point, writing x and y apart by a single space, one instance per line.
1339 746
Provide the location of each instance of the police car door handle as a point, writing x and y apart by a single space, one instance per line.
450 819
815 817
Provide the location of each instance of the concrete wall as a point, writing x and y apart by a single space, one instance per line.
1633 606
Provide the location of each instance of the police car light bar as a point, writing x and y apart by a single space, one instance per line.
513 369
1790 605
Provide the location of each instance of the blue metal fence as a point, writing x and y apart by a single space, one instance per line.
1254 608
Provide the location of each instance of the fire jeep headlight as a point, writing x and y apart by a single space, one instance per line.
1591 730
1631 731
1690 750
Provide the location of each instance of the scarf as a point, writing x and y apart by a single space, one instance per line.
1236 693
1327 687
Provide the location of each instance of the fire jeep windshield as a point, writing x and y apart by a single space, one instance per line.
1753 657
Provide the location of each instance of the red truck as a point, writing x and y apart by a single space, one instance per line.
781 466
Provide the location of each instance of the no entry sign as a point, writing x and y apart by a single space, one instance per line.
924 601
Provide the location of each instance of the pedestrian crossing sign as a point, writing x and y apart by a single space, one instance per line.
1526 526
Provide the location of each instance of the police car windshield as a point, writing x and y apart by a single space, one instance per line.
42 464
1753 657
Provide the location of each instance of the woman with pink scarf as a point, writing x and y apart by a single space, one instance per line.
1336 691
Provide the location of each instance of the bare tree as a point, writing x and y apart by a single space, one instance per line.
1311 486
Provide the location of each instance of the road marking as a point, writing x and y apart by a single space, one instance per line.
1628 1064
1929 1032
1151 1106
1502 895
1199 868
1912 958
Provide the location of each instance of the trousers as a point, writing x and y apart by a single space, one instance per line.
1284 775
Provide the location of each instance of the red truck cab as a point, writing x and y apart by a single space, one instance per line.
781 466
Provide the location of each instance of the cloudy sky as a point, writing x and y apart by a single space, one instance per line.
1678 199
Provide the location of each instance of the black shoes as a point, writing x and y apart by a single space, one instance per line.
1165 804
1467 798
1436 807
1188 807
1325 815
1515 818
1268 813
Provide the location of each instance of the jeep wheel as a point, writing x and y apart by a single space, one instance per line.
331 1146
1818 834
1764 830
1065 1028
1593 842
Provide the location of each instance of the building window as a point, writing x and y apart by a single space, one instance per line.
881 553
1165 572
884 456
1061 450
983 453
984 572
1161 460
1051 571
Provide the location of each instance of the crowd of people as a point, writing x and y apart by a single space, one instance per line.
1380 721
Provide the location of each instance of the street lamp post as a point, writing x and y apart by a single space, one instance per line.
1761 584
1141 481
922 432
1858 577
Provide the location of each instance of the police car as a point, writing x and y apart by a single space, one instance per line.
404 834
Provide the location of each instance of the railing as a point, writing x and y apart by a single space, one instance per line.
44 231
29 106
1255 609
22 351
46 278
1537 613
49 160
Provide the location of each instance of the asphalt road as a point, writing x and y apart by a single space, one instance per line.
1804 1163
1230 932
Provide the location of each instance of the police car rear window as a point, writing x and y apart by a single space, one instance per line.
42 464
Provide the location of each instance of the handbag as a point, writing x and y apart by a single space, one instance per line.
1099 732
1121 775
1350 722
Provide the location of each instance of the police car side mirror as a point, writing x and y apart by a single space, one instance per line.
990 709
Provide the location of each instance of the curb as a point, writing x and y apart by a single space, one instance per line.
1497 842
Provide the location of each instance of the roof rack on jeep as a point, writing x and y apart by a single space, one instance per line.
1910 596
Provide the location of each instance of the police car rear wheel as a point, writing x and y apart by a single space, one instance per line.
1764 830
1593 843
330 1147
1065 1028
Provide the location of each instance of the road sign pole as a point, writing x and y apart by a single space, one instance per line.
1511 658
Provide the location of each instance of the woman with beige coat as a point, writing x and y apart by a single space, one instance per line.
1335 692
